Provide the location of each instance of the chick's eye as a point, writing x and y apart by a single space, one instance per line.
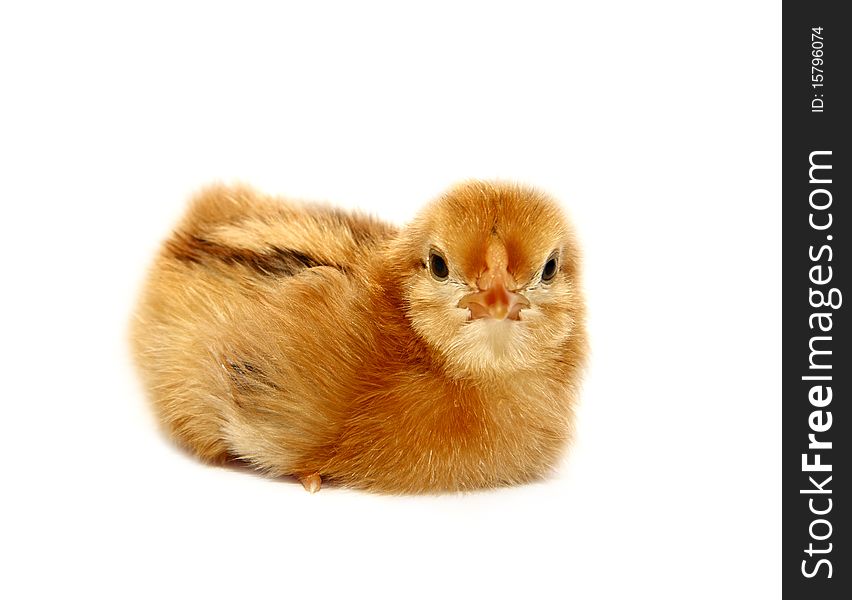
549 271
438 266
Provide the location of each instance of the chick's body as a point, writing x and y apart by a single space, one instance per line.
309 341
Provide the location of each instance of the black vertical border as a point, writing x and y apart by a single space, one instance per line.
805 131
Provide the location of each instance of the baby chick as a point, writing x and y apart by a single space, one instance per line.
323 344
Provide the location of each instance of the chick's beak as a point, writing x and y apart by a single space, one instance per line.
495 300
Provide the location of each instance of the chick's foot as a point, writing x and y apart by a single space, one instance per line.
312 482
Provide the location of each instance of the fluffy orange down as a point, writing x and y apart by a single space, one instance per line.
310 341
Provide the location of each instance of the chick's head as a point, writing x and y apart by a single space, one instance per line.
490 279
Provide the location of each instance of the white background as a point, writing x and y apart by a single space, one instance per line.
656 123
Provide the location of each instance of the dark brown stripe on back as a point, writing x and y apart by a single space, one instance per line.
275 262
